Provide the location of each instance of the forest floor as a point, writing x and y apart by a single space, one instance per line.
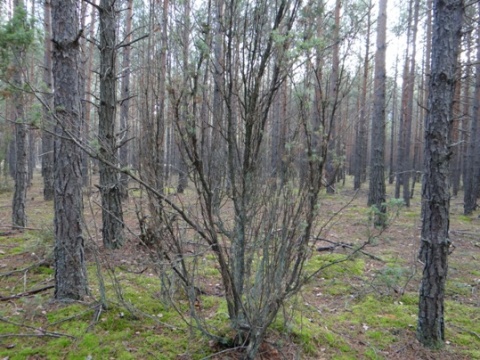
364 308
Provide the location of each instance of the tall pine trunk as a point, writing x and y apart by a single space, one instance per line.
19 217
471 163
361 139
112 215
125 102
47 137
376 194
70 270
447 27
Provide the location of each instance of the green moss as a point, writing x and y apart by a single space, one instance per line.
16 250
385 312
391 278
409 299
464 218
335 265
44 270
472 354
337 288
457 288
65 312
372 354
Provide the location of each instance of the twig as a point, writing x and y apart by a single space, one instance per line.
96 316
27 293
40 331
467 331
16 227
70 317
35 335
464 232
350 246
224 352
40 263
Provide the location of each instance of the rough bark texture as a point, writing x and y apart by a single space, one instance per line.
112 216
19 217
408 122
361 138
448 15
88 88
471 161
392 165
376 193
70 271
125 101
182 162
403 110
47 138
331 166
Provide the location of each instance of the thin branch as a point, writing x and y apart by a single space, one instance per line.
55 335
93 4
16 227
39 331
131 42
40 263
27 293
349 246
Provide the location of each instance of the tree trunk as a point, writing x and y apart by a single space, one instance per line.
47 137
19 217
125 102
87 93
70 270
456 169
471 163
376 193
466 116
112 216
182 156
217 159
361 140
332 166
403 111
392 165
447 27
408 111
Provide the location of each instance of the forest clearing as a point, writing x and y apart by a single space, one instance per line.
362 308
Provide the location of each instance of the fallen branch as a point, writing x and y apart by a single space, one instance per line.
27 293
55 335
464 233
336 244
40 263
473 333
38 331
21 228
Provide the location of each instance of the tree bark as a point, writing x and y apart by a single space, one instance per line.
182 156
19 217
376 193
361 139
472 160
112 215
408 111
125 101
70 270
47 137
447 27
87 93
331 165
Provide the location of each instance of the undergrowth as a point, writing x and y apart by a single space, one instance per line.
357 308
